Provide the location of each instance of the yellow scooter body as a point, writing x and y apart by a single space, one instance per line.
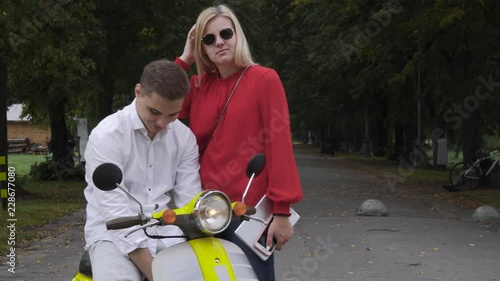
202 259
81 277
199 259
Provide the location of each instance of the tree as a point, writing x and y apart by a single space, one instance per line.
394 55
457 48
344 63
54 50
137 32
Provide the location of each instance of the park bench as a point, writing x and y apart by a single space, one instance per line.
18 145
37 148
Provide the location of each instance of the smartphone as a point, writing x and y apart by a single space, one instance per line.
254 233
261 242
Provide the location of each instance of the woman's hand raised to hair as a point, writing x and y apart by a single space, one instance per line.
188 54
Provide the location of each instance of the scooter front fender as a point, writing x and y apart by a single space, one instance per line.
201 259
84 269
81 277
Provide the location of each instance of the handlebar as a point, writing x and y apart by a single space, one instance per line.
239 209
251 210
123 222
242 209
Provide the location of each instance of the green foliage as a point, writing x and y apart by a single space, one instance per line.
54 171
344 64
387 54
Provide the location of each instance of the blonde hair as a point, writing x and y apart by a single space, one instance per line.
242 56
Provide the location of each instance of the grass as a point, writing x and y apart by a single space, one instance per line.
422 183
401 169
37 203
22 162
42 203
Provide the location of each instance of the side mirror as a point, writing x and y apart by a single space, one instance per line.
107 176
256 165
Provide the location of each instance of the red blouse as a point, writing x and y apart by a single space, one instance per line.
256 121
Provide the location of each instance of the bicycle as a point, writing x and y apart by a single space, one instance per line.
468 177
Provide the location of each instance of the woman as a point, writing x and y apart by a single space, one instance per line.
237 108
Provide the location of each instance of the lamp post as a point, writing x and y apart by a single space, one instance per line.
419 151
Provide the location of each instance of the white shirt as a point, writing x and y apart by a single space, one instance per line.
151 168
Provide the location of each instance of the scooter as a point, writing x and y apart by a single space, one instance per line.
201 256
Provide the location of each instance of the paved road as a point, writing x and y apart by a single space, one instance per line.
418 241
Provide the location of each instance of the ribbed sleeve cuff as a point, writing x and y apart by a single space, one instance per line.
281 208
182 64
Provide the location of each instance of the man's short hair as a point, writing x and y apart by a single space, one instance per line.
165 78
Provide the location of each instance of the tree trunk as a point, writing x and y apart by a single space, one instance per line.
410 136
62 151
381 132
105 99
466 107
440 132
366 148
399 141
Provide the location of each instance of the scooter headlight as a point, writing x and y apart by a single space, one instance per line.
213 212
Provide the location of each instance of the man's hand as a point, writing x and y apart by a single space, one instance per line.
144 261
280 229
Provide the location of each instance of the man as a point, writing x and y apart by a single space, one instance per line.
158 156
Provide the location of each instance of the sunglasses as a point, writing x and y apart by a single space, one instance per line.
226 34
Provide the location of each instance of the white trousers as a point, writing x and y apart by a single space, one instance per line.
109 264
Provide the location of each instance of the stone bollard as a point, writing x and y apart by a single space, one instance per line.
486 214
372 207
